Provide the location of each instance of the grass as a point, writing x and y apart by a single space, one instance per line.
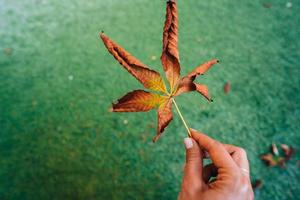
57 138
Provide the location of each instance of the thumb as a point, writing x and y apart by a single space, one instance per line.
193 165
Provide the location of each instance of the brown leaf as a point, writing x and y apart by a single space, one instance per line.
170 55
200 70
275 158
142 101
288 151
186 84
165 116
226 87
202 89
138 101
149 78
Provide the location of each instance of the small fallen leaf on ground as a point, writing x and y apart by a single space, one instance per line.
159 97
226 87
275 158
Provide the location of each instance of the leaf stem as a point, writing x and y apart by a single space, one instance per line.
184 123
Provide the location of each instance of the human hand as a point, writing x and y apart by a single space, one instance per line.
229 165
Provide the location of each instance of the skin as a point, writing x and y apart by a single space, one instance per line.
230 169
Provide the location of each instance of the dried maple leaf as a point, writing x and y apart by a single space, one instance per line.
274 157
159 97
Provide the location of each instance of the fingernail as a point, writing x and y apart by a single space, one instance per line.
188 143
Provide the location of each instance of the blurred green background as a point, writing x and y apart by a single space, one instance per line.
57 82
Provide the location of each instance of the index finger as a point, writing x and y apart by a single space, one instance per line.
218 154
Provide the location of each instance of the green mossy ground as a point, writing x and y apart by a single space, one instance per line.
57 81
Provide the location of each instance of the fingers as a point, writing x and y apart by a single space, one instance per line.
193 167
219 155
239 156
